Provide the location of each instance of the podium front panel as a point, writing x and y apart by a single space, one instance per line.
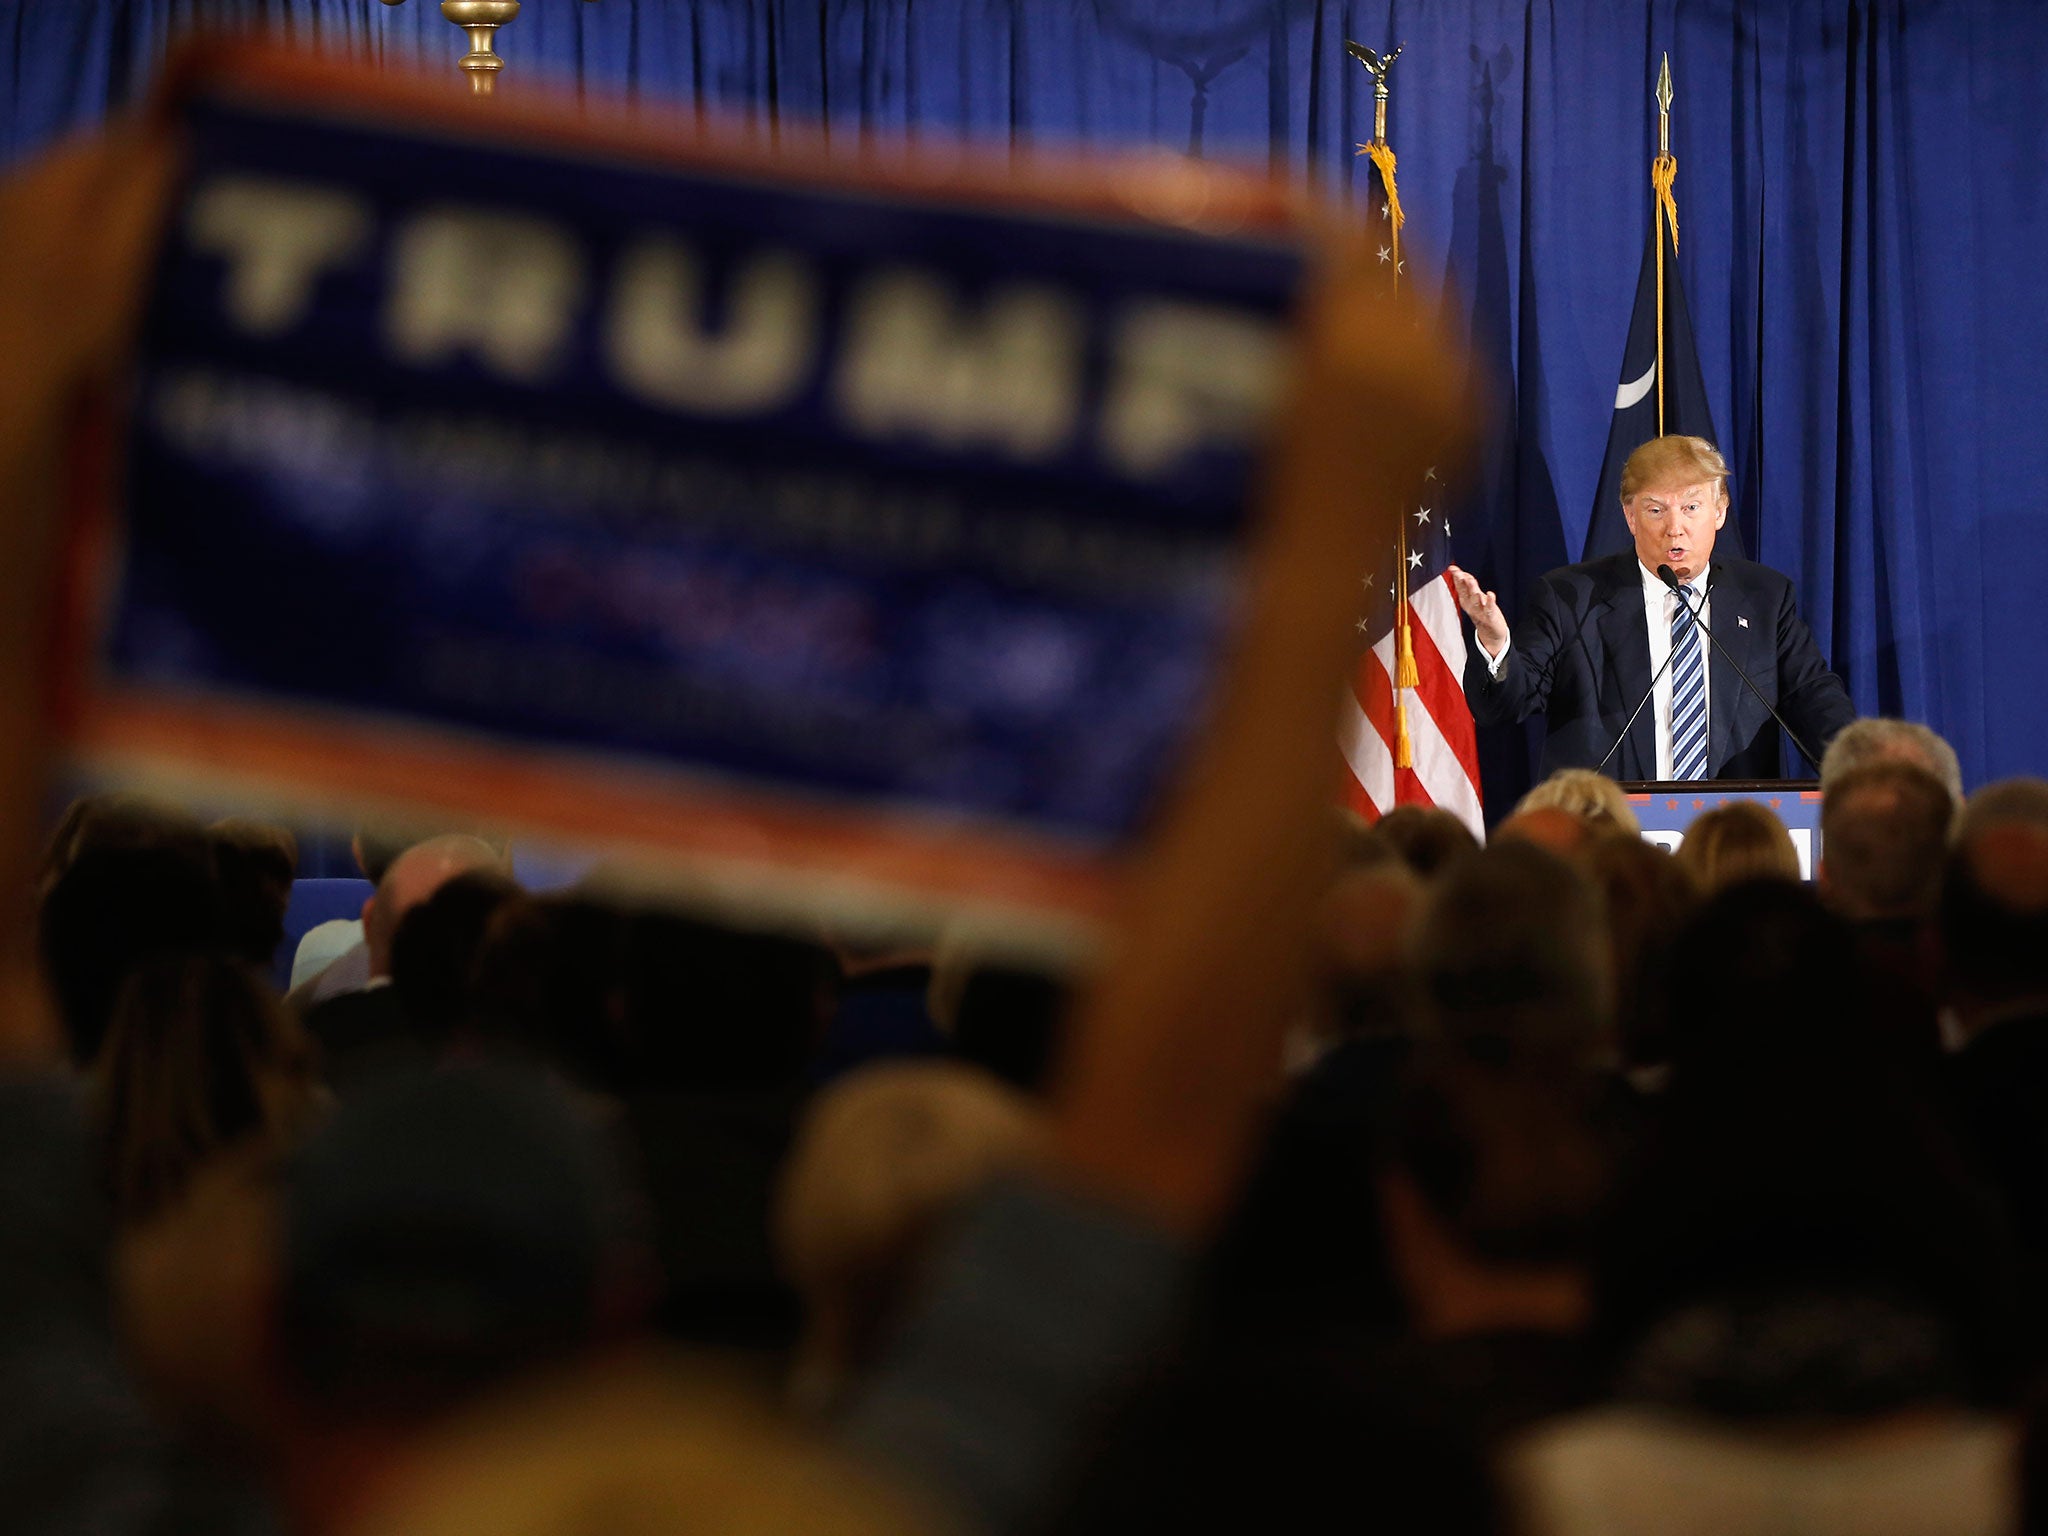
1667 809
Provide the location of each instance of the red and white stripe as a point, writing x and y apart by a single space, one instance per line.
1446 771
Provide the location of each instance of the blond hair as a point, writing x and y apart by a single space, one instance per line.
1673 460
1736 842
1592 797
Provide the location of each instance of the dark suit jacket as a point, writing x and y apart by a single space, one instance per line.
363 1035
1998 1093
1580 652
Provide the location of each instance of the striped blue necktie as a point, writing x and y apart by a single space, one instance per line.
1688 694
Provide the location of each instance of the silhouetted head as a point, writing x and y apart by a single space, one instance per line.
112 909
255 863
1512 959
445 1232
1884 841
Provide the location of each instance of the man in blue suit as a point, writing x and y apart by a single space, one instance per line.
1594 634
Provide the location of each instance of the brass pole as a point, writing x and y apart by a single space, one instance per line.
1657 210
481 20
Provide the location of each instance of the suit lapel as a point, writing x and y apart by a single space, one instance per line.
1731 606
1625 634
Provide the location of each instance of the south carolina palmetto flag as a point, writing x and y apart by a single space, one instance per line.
1406 733
1662 389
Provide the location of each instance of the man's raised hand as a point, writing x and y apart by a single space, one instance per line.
1483 609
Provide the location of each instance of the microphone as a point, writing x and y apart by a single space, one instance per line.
1670 579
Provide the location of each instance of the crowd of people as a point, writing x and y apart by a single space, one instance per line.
1365 1177
1593 1188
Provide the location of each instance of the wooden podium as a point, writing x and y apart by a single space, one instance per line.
1667 809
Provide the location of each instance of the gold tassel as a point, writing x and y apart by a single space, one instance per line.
1663 172
1382 155
1405 675
1404 749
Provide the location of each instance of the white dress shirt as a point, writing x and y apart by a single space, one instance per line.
324 944
1660 607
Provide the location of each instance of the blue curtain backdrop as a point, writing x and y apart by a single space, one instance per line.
1861 193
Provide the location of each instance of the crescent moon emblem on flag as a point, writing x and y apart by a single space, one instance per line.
1633 391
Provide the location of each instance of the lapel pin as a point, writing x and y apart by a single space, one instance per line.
1739 619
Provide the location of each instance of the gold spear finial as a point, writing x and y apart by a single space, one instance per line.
1664 107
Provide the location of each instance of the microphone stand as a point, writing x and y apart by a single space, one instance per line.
1601 766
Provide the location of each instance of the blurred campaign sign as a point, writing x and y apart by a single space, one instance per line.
1666 810
885 526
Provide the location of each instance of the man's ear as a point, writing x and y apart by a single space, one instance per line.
369 901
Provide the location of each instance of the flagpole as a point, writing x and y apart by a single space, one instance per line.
1406 676
1383 159
1663 172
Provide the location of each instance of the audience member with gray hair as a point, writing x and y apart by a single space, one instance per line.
1879 738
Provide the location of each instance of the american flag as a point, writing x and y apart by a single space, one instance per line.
1407 733
1412 745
